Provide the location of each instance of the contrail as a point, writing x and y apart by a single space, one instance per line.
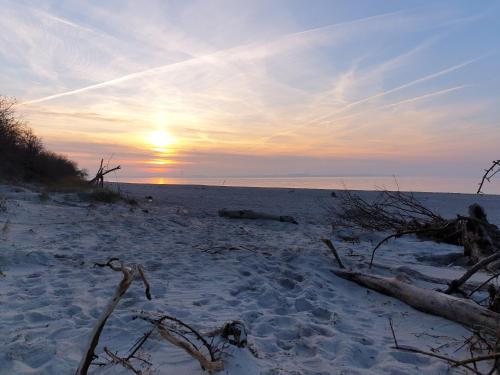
440 92
404 86
161 68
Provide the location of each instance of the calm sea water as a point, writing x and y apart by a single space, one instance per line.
428 184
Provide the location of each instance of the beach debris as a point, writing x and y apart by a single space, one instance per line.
469 364
394 211
488 174
184 336
98 180
332 248
207 348
402 214
479 238
461 310
130 273
249 214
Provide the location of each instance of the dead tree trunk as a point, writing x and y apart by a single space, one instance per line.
436 303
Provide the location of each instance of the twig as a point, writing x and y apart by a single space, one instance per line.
329 244
393 333
122 361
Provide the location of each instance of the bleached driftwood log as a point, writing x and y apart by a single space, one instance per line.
130 273
249 214
436 303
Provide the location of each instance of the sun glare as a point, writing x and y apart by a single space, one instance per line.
160 139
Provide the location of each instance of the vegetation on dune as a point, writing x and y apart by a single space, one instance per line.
23 155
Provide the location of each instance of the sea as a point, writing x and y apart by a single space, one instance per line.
414 184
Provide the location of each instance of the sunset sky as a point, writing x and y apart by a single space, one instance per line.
239 88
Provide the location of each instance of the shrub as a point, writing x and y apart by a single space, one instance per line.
24 158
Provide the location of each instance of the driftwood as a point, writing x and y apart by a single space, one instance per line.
436 303
249 214
453 362
489 173
408 272
206 364
130 273
185 336
395 211
334 251
455 284
101 172
479 238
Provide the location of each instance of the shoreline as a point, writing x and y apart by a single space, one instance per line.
111 183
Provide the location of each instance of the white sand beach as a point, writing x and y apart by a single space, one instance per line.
275 277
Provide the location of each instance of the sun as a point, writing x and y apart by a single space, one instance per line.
160 139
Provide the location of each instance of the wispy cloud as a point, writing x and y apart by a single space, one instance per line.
248 52
425 96
256 78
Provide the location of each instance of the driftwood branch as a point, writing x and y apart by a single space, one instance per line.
101 172
451 361
204 362
454 362
185 337
130 272
488 174
455 284
404 233
436 303
249 214
179 338
332 248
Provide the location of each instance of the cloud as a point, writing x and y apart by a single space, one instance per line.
248 52
246 79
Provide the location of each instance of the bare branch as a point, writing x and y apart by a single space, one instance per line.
129 274
488 174
329 244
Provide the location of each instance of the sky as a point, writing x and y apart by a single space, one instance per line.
259 88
